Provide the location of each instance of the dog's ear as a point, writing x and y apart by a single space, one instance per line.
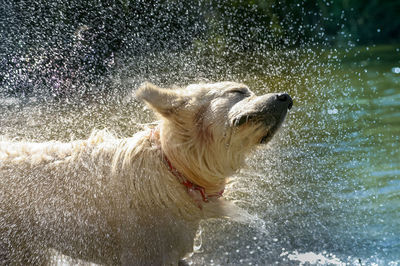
164 101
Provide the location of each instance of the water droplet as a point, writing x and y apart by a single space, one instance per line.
333 111
396 70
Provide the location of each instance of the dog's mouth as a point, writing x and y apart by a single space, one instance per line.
237 122
271 132
270 125
265 139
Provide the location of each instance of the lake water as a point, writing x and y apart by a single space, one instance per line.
325 191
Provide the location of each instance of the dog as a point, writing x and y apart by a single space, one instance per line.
136 200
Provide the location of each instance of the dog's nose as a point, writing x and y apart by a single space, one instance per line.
284 97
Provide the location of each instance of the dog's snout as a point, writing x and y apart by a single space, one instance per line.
284 97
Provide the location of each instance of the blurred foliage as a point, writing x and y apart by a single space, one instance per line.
320 22
56 46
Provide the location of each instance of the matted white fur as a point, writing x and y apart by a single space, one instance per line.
114 201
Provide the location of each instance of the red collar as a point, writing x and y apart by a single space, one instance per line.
192 189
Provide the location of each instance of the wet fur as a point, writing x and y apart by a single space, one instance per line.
113 201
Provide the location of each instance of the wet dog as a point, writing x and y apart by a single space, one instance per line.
137 200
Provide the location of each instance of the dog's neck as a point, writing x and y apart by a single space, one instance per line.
197 192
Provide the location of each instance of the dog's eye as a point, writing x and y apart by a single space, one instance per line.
239 91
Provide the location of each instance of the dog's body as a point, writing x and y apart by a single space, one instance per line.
64 196
122 201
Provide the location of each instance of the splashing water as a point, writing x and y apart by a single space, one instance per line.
325 191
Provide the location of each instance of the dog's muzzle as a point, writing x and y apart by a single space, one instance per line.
270 108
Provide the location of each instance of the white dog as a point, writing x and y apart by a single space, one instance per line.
138 200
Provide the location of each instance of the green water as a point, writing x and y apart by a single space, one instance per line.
327 187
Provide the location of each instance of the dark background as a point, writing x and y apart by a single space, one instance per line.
58 48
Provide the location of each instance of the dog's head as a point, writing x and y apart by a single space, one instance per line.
207 129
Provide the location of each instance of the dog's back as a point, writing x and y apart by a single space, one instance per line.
104 200
51 194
